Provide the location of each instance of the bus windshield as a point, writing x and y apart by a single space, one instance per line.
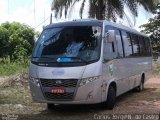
68 44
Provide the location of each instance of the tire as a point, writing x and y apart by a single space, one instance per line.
141 86
111 98
50 106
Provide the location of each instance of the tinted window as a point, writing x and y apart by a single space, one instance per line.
142 46
127 44
119 44
136 46
106 30
148 47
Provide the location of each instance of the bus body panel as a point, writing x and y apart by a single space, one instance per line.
130 70
126 74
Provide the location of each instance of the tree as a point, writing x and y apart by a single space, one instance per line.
153 29
103 9
16 41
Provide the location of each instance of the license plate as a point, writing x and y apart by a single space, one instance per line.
57 90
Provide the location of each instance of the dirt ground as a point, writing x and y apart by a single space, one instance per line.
15 102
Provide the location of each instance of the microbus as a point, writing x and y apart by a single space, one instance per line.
88 62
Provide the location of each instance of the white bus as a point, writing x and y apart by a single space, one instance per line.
88 62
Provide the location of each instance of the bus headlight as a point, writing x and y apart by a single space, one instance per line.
84 81
35 81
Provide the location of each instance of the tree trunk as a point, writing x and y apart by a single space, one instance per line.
100 10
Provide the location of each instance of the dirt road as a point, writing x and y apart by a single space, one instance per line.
145 102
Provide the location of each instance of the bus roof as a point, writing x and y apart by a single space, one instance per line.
85 22
77 23
123 27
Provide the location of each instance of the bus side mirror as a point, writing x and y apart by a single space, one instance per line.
110 36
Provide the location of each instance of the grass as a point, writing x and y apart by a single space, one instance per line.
11 69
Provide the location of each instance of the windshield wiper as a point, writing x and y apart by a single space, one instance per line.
45 57
80 59
41 57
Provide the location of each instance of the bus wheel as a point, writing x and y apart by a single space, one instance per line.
111 98
141 86
50 106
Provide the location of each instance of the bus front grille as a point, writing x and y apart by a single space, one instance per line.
68 84
59 82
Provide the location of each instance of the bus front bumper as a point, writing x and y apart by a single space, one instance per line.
87 94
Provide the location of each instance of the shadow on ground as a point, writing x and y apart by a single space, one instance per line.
131 102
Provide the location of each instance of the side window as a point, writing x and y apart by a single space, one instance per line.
127 44
142 46
135 44
119 44
148 47
106 30
110 51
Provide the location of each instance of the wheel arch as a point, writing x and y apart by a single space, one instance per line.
114 85
111 83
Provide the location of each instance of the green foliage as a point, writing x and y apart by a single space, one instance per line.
102 9
11 69
153 29
6 60
16 42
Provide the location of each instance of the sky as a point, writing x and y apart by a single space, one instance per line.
23 11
